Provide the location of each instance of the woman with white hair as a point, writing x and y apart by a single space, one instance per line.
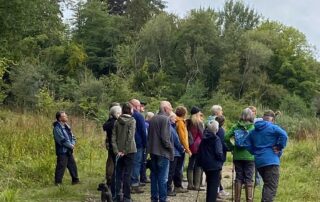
114 113
242 159
210 158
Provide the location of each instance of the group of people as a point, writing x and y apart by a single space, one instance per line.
167 138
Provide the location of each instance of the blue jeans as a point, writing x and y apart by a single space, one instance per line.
159 178
138 158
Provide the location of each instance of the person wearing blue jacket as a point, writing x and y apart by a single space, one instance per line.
64 143
141 144
266 142
174 170
210 158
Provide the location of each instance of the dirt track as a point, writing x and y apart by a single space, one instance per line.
191 196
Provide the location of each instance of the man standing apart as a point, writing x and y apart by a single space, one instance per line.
141 142
160 148
266 143
64 142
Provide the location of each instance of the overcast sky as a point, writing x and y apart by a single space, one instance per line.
301 14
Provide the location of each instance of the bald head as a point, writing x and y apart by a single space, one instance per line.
135 104
165 107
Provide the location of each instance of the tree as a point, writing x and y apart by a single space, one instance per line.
100 34
140 11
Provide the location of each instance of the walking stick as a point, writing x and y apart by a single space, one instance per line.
232 181
198 195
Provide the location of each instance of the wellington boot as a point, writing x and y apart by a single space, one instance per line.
249 192
190 179
237 191
197 178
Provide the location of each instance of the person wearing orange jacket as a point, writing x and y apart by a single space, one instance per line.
182 131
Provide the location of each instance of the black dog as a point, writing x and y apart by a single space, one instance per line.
105 193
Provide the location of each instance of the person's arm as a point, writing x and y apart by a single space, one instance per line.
114 139
61 139
141 129
248 143
227 138
177 143
165 133
282 138
183 136
218 149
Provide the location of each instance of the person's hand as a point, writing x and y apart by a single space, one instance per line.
120 154
276 149
72 147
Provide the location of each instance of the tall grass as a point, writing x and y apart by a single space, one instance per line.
27 150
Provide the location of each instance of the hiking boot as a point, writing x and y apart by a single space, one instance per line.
190 187
171 193
136 190
180 190
142 184
75 182
224 193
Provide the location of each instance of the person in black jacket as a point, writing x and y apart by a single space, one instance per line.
221 133
210 158
114 113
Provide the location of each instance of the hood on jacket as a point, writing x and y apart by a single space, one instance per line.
244 125
260 125
55 123
125 118
207 134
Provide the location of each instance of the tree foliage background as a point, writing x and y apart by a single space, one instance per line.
119 49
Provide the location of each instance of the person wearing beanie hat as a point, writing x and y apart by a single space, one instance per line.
195 133
194 110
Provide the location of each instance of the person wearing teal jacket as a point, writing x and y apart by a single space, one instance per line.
242 159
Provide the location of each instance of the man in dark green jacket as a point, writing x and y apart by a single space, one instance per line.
124 147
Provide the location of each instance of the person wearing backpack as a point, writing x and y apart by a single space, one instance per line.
211 158
242 159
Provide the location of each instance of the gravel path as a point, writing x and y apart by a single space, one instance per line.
191 196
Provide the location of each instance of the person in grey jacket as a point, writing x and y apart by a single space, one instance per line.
160 148
124 147
64 143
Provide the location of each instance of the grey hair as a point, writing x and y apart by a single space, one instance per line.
247 115
115 111
149 115
213 126
215 109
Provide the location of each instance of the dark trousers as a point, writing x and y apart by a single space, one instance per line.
174 174
212 177
110 167
244 171
178 175
270 175
143 169
66 161
123 173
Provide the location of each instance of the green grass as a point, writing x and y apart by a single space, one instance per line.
27 163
